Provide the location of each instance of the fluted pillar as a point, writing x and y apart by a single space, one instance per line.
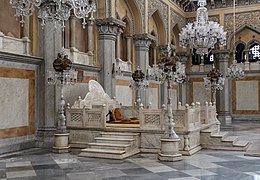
107 31
224 96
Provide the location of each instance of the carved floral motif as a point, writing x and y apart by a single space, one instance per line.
162 8
177 19
251 18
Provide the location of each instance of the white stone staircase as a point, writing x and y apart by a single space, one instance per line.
212 138
113 145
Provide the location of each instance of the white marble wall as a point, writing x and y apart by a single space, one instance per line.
14 106
247 97
200 94
124 95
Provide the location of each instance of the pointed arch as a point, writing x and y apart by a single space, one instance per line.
128 30
241 28
137 17
161 29
175 35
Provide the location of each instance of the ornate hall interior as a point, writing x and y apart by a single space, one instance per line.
130 89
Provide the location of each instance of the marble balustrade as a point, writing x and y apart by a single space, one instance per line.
14 45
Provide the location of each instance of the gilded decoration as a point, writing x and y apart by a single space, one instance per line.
177 19
241 19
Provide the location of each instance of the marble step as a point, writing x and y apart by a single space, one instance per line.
241 143
221 135
107 153
124 147
232 139
115 140
210 130
119 134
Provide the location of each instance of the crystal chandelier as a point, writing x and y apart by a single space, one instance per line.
202 34
56 11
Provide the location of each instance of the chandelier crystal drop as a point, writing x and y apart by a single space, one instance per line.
235 72
202 34
57 11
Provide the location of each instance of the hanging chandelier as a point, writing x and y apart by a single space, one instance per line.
202 35
57 11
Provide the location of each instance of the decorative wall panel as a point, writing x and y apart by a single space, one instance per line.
17 104
14 102
246 96
197 91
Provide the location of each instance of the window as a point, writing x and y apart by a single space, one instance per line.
254 52
196 59
239 53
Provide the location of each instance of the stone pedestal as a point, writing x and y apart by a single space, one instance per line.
170 150
61 143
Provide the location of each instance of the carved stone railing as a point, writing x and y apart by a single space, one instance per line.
14 45
250 65
152 119
123 65
208 113
80 57
201 68
187 118
83 117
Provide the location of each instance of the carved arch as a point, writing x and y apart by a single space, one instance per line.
251 42
161 29
137 21
128 29
241 28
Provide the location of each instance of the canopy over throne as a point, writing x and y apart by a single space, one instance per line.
95 96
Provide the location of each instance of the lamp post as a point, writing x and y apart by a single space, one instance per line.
139 84
214 81
169 70
62 77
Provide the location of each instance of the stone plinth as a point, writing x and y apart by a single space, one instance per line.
170 150
61 143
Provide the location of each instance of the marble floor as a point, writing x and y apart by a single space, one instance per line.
42 164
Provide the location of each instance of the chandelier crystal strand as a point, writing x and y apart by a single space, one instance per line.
56 11
202 34
235 71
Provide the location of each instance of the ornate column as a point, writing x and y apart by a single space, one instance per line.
90 37
224 96
154 55
118 43
247 64
107 31
73 32
50 45
184 56
129 48
142 44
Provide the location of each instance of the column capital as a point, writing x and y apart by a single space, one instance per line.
222 55
184 56
108 28
143 40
